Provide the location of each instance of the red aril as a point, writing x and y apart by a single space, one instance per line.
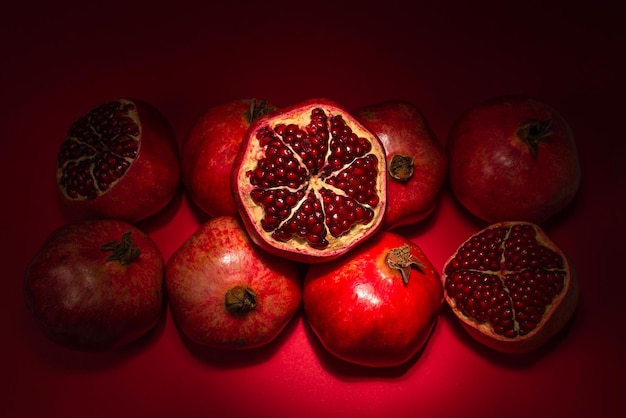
310 182
416 160
96 285
511 287
208 153
513 158
225 292
120 161
377 305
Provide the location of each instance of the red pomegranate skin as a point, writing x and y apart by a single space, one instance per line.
404 131
209 150
497 176
84 302
217 258
362 311
148 185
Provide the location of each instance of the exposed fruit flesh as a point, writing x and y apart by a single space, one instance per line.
314 177
507 277
99 148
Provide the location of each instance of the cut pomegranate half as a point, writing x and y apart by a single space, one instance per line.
310 181
119 160
512 288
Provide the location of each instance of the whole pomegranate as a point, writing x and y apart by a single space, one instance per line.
310 182
375 306
208 153
96 285
120 161
416 161
511 287
224 292
513 158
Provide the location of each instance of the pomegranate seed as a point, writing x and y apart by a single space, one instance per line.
98 151
506 277
314 180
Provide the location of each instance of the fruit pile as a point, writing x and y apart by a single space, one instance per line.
304 205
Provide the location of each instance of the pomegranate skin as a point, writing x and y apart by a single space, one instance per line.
497 176
253 213
557 313
404 132
216 259
83 302
362 311
209 150
150 182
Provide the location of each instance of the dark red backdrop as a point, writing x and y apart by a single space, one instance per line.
61 59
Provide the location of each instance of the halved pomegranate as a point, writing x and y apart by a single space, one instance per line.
512 288
310 182
120 160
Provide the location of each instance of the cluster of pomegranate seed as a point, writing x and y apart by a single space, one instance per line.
505 277
359 180
314 180
311 145
98 150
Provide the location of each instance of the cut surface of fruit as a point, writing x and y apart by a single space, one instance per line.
99 149
510 286
310 181
120 160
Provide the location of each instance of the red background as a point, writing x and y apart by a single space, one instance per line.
62 59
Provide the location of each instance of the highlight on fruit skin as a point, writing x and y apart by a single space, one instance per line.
309 182
511 287
377 305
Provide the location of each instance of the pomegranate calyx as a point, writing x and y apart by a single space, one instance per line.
125 251
401 259
257 109
401 167
240 300
533 131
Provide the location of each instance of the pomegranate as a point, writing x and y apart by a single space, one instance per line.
225 292
120 161
513 158
310 182
416 161
377 305
511 287
96 285
208 153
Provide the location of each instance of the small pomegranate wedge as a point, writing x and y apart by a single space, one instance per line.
310 182
120 160
511 287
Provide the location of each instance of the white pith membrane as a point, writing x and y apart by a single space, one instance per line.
501 273
96 140
255 152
